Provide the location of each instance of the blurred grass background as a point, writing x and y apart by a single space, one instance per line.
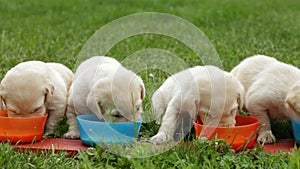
57 30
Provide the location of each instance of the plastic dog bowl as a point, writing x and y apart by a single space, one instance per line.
3 113
296 130
22 130
94 131
243 135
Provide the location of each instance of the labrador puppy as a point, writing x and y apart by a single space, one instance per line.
194 92
104 87
272 91
34 88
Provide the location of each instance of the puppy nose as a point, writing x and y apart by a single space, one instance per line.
140 110
227 124
233 123
138 117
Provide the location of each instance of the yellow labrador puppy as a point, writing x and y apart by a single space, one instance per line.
104 87
34 88
272 91
193 92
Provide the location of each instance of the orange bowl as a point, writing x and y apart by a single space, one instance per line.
3 113
241 136
22 130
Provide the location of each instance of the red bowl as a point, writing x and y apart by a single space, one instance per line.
241 136
22 130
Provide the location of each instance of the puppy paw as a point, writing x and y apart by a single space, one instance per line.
48 135
266 137
202 139
160 138
72 135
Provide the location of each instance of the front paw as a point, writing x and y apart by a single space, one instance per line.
72 135
266 137
160 138
48 135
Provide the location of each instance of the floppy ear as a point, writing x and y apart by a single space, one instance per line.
2 104
241 98
49 89
293 100
143 92
240 102
99 114
94 104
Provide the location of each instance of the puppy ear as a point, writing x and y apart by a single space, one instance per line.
49 89
2 101
94 104
1 104
241 99
143 92
293 100
240 102
99 114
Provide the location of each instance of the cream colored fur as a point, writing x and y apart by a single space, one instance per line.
102 86
34 88
272 91
194 91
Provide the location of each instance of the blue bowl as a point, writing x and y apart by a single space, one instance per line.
296 130
94 131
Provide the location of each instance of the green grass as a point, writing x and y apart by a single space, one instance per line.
205 154
57 30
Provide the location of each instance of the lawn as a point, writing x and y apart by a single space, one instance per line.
57 31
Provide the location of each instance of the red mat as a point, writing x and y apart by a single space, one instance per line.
281 144
54 145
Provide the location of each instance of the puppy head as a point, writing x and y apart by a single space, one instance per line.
222 100
235 94
293 100
130 104
128 93
25 94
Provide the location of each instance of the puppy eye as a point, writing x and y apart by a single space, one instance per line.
13 111
117 115
37 109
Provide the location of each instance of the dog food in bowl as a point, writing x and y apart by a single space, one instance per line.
94 131
243 135
21 130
